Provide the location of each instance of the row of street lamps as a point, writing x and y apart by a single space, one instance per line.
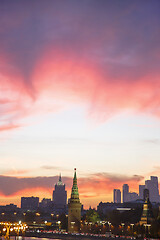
147 227
8 227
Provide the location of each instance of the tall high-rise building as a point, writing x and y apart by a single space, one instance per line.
60 195
125 192
116 196
141 191
74 208
152 186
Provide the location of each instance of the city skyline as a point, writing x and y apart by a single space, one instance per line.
79 87
60 198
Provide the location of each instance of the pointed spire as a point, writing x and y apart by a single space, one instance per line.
75 175
60 180
74 193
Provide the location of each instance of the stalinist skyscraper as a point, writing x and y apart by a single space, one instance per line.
74 208
60 197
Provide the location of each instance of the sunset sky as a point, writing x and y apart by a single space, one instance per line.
79 87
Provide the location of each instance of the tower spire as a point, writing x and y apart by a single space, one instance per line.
60 180
74 193
75 175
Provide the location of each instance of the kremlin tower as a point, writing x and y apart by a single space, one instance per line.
74 208
147 214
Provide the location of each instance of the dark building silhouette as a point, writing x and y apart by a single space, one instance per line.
125 192
59 197
106 207
152 186
46 205
129 196
29 203
9 208
116 196
74 208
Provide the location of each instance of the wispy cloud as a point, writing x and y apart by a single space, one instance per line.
92 185
8 127
99 183
51 167
155 171
15 172
12 185
152 141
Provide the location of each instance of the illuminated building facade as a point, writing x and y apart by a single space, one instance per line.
147 214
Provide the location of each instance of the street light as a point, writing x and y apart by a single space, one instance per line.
90 226
147 228
59 224
132 224
109 224
122 227
9 227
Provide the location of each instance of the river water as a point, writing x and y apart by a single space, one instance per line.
28 238
36 238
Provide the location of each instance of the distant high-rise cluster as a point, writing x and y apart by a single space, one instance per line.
128 196
150 188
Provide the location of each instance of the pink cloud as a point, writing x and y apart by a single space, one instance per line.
105 183
84 83
8 127
92 58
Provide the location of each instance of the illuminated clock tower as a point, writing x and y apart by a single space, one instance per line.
74 208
